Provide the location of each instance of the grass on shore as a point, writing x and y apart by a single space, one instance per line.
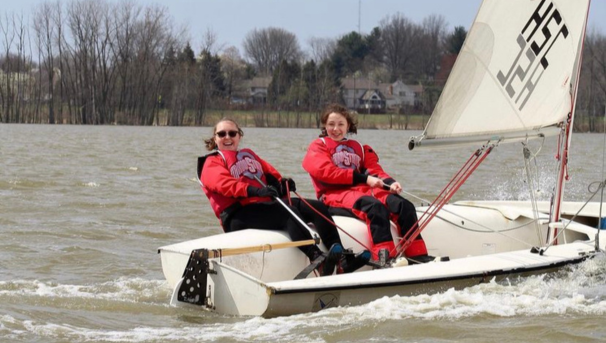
260 118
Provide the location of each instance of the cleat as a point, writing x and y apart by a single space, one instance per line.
384 260
383 257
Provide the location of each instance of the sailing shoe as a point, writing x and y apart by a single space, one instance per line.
350 262
332 258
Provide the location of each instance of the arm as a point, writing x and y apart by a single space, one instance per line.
371 163
272 175
217 178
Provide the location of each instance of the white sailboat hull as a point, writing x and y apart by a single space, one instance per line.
497 244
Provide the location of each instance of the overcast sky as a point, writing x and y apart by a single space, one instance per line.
231 20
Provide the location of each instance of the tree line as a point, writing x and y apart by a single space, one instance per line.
102 62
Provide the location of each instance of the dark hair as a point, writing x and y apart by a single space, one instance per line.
210 143
342 110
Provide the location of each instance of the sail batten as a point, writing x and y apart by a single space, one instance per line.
514 74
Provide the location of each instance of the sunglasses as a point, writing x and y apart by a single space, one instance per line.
222 134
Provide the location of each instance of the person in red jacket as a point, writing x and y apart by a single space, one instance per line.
347 176
241 188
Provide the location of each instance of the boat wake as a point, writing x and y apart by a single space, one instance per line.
577 290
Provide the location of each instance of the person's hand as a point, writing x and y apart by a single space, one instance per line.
395 188
288 184
374 182
267 191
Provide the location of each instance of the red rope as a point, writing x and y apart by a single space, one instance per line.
331 221
288 193
442 199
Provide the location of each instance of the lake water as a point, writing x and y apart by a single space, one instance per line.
83 210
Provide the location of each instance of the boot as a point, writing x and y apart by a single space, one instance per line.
416 248
417 252
330 262
350 262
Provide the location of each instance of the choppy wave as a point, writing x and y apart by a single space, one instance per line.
123 289
580 290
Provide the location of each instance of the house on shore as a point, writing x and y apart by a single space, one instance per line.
252 91
365 94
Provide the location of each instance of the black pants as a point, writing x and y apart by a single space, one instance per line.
326 230
378 215
273 216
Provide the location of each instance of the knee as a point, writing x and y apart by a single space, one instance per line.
371 205
400 205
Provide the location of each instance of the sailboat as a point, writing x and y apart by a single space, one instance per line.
515 80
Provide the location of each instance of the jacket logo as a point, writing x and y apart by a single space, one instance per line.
246 165
345 157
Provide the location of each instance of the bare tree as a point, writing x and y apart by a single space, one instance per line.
84 23
322 48
154 39
267 48
431 46
45 32
128 15
592 84
6 92
182 79
399 40
210 42
234 71
17 63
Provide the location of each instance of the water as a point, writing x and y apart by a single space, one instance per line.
83 210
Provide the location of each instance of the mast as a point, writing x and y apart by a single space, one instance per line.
566 136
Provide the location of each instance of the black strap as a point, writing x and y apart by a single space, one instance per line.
311 267
201 161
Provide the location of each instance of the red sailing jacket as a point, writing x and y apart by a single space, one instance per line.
226 175
331 164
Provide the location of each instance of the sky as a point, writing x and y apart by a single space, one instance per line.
232 20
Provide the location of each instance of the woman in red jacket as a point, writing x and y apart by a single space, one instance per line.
347 176
241 188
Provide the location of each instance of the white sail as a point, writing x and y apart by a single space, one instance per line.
515 74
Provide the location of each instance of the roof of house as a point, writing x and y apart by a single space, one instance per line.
359 83
260 82
370 93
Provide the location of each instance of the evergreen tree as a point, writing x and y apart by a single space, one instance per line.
454 42
350 53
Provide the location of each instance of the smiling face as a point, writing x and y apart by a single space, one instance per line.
336 126
227 129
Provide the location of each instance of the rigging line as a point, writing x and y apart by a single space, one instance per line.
597 235
331 222
440 201
478 224
502 233
474 222
444 193
600 187
530 182
477 158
